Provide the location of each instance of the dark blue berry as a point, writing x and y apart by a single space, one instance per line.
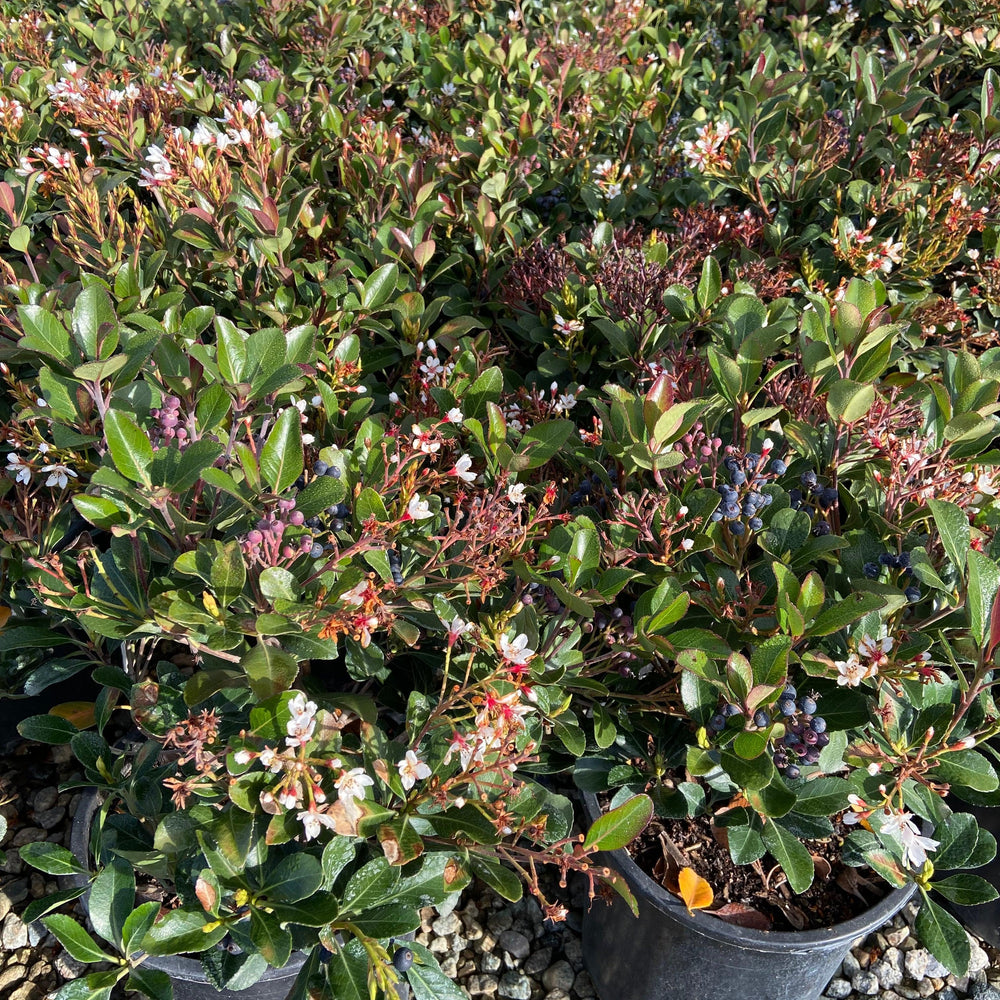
812 755
333 471
731 710
730 463
778 467
795 497
738 528
871 570
737 477
792 772
902 561
717 722
912 594
786 706
822 528
755 524
320 467
716 515
336 524
761 719
809 737
790 692
808 478
731 510
818 725
807 705
316 551
886 559
753 459
828 496
822 740
768 499
780 759
403 959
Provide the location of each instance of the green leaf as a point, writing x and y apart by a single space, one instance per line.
368 505
848 401
604 727
75 939
822 796
953 528
427 980
52 859
752 774
19 239
542 443
710 283
498 877
943 936
957 838
379 285
968 769
44 334
270 938
137 925
337 855
182 931
293 878
228 572
37 908
112 899
984 582
154 983
270 670
793 857
620 826
347 972
281 458
47 729
278 584
129 445
965 889
389 921
844 612
369 885
92 312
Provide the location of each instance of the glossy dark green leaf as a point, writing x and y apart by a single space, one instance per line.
942 935
620 826
281 458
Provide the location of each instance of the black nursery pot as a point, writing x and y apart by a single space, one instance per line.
667 954
186 974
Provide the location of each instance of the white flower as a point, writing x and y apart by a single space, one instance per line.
687 544
351 784
356 595
272 130
469 131
418 509
301 725
448 89
314 821
412 769
876 649
202 135
852 671
249 108
423 441
566 325
454 415
463 469
58 475
242 757
516 650
915 847
269 759
515 493
458 627
565 402
70 67
290 798
17 468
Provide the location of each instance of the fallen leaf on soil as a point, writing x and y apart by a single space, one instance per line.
743 916
694 890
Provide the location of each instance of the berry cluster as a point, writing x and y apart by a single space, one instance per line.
816 500
265 543
545 203
899 571
805 732
169 426
742 499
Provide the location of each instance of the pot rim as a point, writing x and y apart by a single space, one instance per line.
711 927
176 966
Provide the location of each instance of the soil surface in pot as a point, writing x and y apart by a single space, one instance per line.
757 895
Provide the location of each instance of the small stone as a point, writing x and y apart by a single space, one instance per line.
557 995
449 924
449 966
865 983
67 966
29 991
36 933
978 959
897 935
889 968
538 962
850 966
925 988
37 885
573 950
489 962
29 835
583 985
559 977
482 985
500 921
515 943
515 985
838 989
12 976
14 934
917 962
440 946
487 942
45 798
15 892
947 994
473 930
48 819
907 992
983 991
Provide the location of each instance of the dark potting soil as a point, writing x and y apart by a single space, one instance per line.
757 895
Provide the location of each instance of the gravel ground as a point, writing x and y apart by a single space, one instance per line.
492 947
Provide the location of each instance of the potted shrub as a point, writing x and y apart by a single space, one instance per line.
800 666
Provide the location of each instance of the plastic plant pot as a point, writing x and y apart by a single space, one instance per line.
187 975
667 954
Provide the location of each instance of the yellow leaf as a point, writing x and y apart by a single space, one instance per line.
695 891
80 713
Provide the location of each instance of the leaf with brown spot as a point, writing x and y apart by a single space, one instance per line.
208 896
453 871
694 890
743 916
